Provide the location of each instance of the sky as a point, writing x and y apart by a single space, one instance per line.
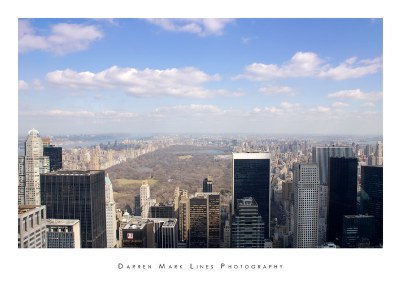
258 76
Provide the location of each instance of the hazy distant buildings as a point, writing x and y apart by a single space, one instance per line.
63 233
306 205
247 225
32 226
207 185
321 155
55 156
372 200
111 221
30 166
358 231
251 178
342 195
78 195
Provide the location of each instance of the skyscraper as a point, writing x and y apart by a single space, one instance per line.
145 201
247 225
169 234
372 202
207 185
251 178
181 207
162 210
342 195
198 222
55 156
30 167
306 205
321 155
111 220
213 218
379 153
78 195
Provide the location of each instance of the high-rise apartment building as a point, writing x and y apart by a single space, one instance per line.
78 195
247 225
55 156
372 202
32 226
379 153
63 233
321 155
111 219
181 207
145 201
342 195
207 185
306 205
251 178
30 166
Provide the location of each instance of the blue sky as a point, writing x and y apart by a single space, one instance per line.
266 76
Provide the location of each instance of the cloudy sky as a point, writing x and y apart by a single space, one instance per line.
138 76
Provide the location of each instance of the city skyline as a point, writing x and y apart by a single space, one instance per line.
303 76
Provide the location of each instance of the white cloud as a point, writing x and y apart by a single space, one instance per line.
352 69
202 27
191 109
339 104
269 90
368 104
183 82
81 114
356 94
63 38
22 85
309 64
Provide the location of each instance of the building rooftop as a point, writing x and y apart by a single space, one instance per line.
248 201
170 223
251 155
25 208
73 172
136 224
61 222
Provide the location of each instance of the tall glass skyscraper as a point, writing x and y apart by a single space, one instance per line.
321 155
342 195
251 178
372 203
78 195
55 155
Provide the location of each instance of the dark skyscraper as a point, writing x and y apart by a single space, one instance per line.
357 229
198 222
207 185
251 178
372 202
160 210
342 195
55 155
78 195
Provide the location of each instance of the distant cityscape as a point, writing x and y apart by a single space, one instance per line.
285 192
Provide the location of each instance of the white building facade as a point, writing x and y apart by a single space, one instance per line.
306 205
111 219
